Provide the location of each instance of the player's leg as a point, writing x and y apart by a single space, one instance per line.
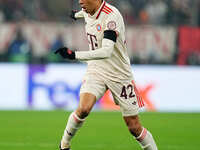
77 118
126 96
91 90
142 135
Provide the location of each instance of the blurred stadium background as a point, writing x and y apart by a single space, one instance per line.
163 39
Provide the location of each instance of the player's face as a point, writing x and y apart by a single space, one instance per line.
89 6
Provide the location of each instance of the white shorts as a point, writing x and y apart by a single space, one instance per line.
124 92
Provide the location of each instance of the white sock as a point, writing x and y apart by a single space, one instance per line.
146 140
73 124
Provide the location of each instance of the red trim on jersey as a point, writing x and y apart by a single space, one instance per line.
106 7
101 10
139 98
107 10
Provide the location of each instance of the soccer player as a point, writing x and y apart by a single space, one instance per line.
108 68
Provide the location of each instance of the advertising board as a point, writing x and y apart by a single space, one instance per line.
55 86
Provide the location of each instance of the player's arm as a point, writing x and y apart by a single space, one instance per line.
111 32
109 39
104 52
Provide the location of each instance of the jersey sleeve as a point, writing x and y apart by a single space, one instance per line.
79 14
113 23
101 53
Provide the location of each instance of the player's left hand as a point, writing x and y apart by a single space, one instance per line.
72 15
66 53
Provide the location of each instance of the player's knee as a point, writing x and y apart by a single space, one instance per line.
134 126
135 129
83 112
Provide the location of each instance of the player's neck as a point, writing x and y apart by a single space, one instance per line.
97 5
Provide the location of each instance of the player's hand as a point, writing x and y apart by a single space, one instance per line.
72 15
66 53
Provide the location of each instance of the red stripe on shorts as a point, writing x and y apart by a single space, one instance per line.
139 98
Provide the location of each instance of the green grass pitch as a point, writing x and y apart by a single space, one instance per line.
42 130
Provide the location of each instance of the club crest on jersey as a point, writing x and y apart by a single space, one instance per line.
98 27
111 25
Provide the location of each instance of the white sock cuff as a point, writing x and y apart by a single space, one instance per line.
142 135
76 118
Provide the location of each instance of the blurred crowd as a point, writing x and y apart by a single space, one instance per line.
135 12
162 12
33 10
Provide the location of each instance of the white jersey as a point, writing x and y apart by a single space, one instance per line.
117 67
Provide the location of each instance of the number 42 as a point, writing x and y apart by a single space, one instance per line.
127 89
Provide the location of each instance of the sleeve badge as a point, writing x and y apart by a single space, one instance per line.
111 25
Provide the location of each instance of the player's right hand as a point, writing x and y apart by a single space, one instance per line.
72 15
66 53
